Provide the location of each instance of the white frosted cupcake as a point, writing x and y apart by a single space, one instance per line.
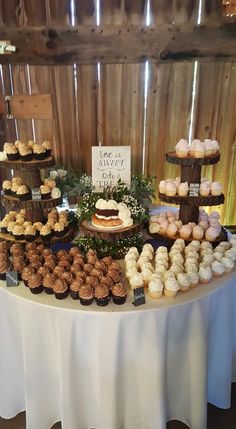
198 232
176 269
171 287
215 146
136 281
208 259
231 254
131 263
192 147
155 288
199 150
205 274
183 189
154 228
191 268
161 269
163 226
205 189
171 189
147 275
194 279
216 188
228 263
130 272
184 282
182 148
217 269
209 147
162 186
185 232
177 258
168 275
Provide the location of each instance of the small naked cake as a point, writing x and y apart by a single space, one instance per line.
111 215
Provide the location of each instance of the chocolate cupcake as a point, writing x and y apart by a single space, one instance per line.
115 266
46 233
96 273
68 277
4 267
60 289
86 295
59 229
79 261
114 275
50 183
36 265
106 281
92 260
91 252
30 233
18 265
26 274
18 232
75 287
48 283
119 293
23 193
102 295
64 263
43 271
88 268
47 145
107 260
6 186
39 152
58 271
79 274
50 263
35 283
91 281
15 247
76 268
100 265
26 153
75 251
45 192
11 151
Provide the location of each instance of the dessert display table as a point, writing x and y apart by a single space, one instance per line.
118 366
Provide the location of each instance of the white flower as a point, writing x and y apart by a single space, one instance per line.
61 173
53 174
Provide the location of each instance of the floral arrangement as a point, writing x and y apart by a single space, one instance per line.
71 183
117 249
137 198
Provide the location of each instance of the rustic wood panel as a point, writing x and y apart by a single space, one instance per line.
31 106
119 44
122 90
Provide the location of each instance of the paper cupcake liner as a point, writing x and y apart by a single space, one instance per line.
62 295
13 157
36 290
27 157
86 301
102 302
119 300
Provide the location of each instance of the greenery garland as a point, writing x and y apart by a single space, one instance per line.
117 249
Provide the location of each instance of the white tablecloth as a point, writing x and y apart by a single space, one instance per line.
117 367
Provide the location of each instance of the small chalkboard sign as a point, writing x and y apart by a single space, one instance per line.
12 278
36 194
194 189
139 296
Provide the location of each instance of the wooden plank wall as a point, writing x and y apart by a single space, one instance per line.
147 106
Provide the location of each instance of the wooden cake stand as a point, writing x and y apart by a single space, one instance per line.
114 234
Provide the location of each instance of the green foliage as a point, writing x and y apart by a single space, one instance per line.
117 249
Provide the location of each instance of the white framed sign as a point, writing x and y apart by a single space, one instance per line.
109 164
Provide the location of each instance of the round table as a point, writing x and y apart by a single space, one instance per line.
117 367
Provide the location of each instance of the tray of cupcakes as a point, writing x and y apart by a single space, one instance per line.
15 190
166 273
166 224
85 278
28 155
57 227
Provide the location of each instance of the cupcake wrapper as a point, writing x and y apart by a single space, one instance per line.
30 238
13 157
24 197
74 295
59 233
48 152
49 290
19 237
102 302
86 301
40 156
119 300
27 157
2 276
4 230
37 290
46 196
62 295
7 192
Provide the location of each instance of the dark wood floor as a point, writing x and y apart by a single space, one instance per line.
217 419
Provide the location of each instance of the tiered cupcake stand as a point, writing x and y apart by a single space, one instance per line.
189 205
29 172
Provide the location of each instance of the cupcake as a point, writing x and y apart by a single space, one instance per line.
59 229
14 189
183 189
6 186
26 274
211 234
185 232
171 230
231 254
45 192
209 147
216 188
182 149
228 263
119 294
45 233
155 288
162 186
136 281
184 282
68 277
86 295
147 274
102 295
60 288
171 287
217 269
114 275
194 279
35 283
11 151
30 233
18 232
171 189
10 227
75 287
198 232
4 226
192 147
23 193
205 274
205 189
215 146
48 283
25 152
47 145
39 152
199 150
4 267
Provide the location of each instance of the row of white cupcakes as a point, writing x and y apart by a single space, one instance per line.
172 187
197 148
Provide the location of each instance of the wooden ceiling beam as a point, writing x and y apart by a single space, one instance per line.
119 44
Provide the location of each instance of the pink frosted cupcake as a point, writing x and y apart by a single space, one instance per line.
171 189
205 189
185 232
216 188
198 232
171 230
199 150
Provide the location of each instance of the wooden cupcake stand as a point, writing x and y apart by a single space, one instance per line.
36 210
189 205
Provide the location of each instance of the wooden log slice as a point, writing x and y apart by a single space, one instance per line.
64 239
210 200
50 203
189 161
28 166
163 237
113 235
